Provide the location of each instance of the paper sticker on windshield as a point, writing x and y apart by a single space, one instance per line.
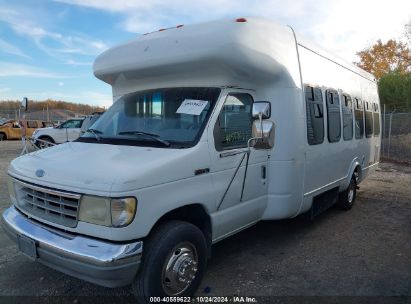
192 106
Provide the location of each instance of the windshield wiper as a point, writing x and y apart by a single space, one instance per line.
156 137
95 133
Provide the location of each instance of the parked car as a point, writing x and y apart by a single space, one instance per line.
89 120
67 131
187 154
11 129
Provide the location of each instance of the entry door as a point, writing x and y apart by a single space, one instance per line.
240 202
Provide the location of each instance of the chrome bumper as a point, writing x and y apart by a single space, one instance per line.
100 262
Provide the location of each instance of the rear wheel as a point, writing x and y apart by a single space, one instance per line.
174 262
347 198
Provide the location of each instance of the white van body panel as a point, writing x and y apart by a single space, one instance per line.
257 57
219 53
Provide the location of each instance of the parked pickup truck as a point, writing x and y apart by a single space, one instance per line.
12 129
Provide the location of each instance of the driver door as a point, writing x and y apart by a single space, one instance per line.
239 202
15 131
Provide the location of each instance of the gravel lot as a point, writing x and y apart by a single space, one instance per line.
362 252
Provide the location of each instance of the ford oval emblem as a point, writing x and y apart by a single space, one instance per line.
40 173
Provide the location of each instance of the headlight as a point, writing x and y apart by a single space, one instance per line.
95 210
116 212
122 211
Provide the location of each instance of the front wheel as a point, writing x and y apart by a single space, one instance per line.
44 142
174 262
2 136
347 197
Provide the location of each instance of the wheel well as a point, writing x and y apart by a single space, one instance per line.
46 136
359 171
4 135
194 214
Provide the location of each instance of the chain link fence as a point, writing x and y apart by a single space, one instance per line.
54 115
396 137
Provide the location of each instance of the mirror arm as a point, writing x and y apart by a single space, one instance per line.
260 116
250 141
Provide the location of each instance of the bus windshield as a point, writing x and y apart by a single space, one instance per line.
171 117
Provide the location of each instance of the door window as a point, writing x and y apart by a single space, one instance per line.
233 126
72 124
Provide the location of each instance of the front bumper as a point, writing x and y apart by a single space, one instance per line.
100 262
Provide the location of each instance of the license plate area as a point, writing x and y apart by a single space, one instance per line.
27 246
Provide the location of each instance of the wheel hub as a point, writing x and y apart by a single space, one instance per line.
180 269
351 190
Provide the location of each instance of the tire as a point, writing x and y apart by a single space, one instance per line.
43 145
174 244
3 136
347 198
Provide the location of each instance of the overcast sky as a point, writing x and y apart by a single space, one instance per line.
47 47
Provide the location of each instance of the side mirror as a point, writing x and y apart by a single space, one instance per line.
262 130
261 110
24 103
264 134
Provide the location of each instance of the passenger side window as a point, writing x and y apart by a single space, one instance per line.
368 120
333 114
359 118
376 120
347 117
233 126
315 115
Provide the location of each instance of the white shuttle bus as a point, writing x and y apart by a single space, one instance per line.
214 127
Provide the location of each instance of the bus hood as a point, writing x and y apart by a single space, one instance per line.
102 169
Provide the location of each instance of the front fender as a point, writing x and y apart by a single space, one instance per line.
154 202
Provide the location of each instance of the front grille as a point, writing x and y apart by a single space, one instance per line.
51 205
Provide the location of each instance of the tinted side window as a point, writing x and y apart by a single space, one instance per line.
347 117
66 124
333 114
233 126
315 115
376 120
359 118
368 120
32 124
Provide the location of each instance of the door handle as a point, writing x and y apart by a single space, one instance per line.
263 172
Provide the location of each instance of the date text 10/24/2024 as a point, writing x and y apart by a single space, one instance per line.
203 299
